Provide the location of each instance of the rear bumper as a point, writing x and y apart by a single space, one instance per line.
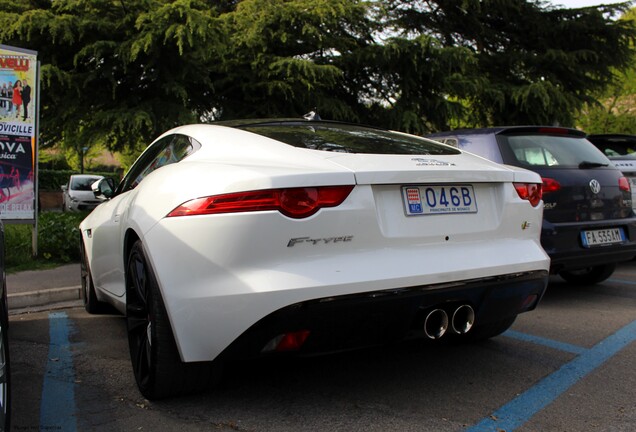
220 276
374 318
562 242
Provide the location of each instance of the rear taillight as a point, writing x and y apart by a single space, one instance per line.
623 184
529 191
550 185
293 202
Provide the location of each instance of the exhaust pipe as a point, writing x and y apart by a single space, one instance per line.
463 319
436 324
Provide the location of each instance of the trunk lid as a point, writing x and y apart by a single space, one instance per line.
410 169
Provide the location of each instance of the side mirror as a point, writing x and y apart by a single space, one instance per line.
104 188
64 187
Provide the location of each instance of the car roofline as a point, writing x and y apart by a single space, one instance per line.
504 130
619 137
240 123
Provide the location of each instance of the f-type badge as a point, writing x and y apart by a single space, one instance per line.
431 162
319 241
595 186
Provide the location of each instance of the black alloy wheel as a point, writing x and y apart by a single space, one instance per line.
157 366
138 319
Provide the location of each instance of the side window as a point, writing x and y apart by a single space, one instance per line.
484 145
611 152
183 146
451 142
166 151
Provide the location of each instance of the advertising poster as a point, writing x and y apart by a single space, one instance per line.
18 112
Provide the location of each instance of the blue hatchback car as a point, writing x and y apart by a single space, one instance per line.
588 221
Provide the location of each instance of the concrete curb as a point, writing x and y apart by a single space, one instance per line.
44 297
37 290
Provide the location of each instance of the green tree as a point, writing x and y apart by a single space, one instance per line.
282 57
117 73
614 108
534 63
406 83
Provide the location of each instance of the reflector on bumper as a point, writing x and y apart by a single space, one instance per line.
287 342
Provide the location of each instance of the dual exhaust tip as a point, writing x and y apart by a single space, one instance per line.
437 321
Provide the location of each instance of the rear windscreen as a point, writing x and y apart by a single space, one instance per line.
547 151
83 183
615 147
345 138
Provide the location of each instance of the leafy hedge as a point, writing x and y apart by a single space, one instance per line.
58 240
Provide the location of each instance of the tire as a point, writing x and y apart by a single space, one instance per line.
157 366
589 275
91 304
490 330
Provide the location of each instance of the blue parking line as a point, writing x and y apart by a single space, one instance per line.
57 408
518 411
561 346
622 281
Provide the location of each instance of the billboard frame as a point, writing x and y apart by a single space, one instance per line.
7 51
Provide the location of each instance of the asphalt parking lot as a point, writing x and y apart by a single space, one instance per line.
567 366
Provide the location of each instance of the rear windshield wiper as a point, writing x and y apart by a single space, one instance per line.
588 164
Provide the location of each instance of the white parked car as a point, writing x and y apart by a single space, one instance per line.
77 194
257 238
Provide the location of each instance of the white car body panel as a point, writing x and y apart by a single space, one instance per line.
108 265
221 292
220 274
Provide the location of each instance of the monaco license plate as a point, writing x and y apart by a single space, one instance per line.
439 199
602 237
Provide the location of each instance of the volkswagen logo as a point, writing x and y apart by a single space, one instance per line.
595 186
